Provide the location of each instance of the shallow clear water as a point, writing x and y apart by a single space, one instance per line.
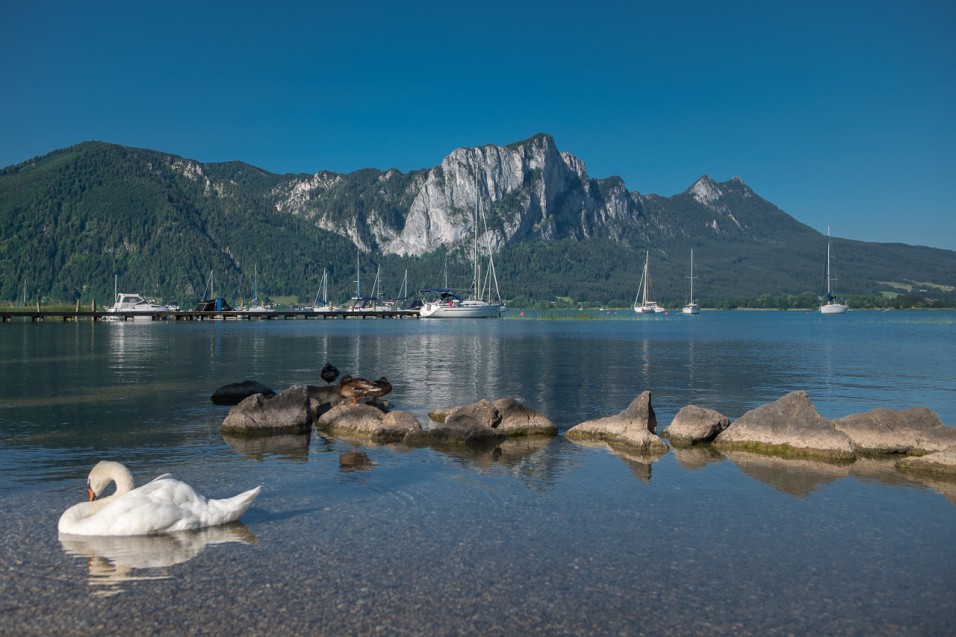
528 538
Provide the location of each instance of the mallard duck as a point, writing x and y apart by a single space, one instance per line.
382 387
355 388
161 506
329 373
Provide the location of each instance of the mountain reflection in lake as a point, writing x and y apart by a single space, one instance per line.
525 537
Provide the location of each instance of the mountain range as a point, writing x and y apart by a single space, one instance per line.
77 219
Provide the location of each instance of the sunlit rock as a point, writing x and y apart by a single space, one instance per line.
484 422
286 412
368 422
634 428
913 431
473 424
693 425
520 420
788 426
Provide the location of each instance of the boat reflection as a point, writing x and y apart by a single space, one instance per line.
113 561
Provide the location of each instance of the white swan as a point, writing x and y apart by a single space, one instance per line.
161 506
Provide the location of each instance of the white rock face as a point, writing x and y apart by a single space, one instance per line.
524 190
705 191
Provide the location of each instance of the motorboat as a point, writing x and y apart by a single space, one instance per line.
133 306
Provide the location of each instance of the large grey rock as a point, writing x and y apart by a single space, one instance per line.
286 412
788 426
520 420
693 425
915 431
368 422
634 428
235 393
461 429
484 422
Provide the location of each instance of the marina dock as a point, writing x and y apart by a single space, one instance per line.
37 316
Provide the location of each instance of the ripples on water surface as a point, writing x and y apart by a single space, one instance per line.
528 538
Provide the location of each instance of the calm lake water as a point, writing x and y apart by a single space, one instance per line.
548 538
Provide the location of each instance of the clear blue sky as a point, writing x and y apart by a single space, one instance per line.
840 113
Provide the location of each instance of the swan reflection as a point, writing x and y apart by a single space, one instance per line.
117 559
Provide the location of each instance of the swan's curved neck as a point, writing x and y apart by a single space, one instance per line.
105 472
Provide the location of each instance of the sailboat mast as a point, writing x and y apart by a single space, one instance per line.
474 281
691 276
358 275
828 264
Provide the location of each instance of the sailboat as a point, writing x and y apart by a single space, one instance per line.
256 306
445 303
324 293
691 307
646 306
830 305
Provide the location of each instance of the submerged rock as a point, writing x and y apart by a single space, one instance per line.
915 431
788 426
235 393
634 428
693 425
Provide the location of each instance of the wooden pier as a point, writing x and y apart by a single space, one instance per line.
38 316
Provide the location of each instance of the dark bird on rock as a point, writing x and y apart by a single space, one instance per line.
329 373
355 388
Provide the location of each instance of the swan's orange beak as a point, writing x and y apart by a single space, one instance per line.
92 495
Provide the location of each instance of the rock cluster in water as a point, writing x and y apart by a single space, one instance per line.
789 427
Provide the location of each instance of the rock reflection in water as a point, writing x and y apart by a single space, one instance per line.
114 560
293 447
795 476
697 457
884 470
638 463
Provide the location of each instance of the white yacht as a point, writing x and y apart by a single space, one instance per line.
134 306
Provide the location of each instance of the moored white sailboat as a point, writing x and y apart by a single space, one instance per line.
324 294
646 306
445 303
691 307
830 305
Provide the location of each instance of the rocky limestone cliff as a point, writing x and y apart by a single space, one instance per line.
525 190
